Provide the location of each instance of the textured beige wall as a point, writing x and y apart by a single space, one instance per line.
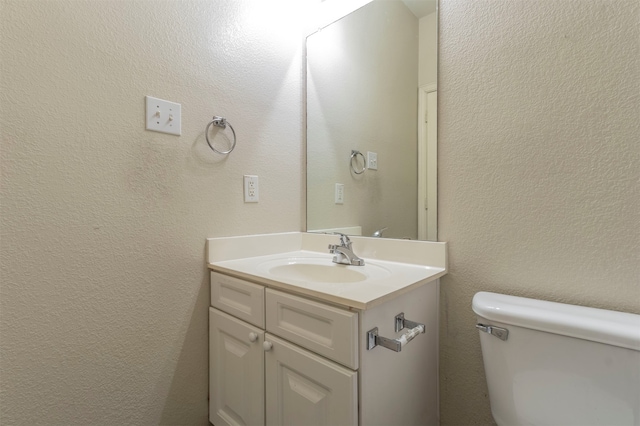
104 293
362 94
539 166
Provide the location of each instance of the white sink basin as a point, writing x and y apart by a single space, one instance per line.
321 270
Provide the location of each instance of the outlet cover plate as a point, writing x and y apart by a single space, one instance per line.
163 116
339 197
251 193
372 160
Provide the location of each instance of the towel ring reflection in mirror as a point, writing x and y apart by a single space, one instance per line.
354 157
222 123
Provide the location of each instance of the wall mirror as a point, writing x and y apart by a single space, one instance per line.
371 122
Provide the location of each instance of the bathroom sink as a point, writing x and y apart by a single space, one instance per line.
321 270
300 263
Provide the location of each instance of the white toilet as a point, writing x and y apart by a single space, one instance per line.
554 364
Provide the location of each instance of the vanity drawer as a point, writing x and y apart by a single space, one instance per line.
239 298
326 330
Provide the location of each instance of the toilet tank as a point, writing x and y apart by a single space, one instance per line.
560 364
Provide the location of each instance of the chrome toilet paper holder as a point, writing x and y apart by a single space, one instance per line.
400 323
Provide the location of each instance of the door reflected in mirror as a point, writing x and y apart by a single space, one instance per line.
371 122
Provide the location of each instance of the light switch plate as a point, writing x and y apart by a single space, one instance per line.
163 116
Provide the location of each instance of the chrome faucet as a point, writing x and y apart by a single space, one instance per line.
378 233
343 254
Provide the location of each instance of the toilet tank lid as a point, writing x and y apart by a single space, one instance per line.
598 325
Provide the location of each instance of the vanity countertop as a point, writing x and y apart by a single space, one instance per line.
284 261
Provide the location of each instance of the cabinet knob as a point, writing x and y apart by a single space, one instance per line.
253 337
267 346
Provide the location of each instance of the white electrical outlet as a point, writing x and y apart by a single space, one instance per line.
372 160
163 116
251 194
339 193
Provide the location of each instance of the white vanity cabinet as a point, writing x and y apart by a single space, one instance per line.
297 339
254 373
278 358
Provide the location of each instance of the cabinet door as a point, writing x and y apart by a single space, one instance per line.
306 389
236 371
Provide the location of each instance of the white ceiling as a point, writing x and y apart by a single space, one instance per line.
421 8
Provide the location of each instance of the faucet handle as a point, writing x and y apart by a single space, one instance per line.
344 239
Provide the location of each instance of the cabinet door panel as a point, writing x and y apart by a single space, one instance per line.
306 389
323 329
239 298
236 371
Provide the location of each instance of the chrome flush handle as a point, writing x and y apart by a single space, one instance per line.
499 332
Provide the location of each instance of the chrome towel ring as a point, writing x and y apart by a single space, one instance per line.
354 155
220 122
